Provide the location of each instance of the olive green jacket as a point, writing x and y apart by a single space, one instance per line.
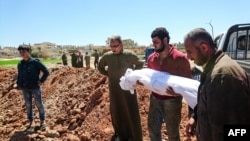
115 65
223 98
127 124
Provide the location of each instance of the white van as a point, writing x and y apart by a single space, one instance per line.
235 42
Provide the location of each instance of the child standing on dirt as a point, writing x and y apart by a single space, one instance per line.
29 82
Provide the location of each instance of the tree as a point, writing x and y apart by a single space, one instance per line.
39 48
90 46
127 43
107 41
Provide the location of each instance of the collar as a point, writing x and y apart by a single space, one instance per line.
26 61
170 52
121 52
211 63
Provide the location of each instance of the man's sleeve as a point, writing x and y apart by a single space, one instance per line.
194 114
18 75
184 68
101 66
137 62
45 71
227 103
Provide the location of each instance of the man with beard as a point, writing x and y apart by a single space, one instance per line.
166 108
123 105
223 95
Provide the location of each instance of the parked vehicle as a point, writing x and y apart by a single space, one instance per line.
148 51
235 42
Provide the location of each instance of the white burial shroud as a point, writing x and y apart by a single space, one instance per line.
158 82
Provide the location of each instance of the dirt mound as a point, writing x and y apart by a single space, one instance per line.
76 103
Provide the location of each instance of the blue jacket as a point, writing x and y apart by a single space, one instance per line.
28 73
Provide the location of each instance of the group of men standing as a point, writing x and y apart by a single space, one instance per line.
77 59
223 95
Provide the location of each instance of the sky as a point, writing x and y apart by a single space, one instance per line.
84 22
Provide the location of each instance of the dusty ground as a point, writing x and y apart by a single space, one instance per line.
77 107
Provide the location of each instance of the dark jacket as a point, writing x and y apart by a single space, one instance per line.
73 60
223 98
28 73
96 55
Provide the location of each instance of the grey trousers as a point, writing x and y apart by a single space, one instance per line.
168 111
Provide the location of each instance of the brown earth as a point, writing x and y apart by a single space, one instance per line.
77 108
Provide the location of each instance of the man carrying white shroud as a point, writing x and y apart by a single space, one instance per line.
158 82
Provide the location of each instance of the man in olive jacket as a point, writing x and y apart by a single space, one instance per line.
123 105
223 95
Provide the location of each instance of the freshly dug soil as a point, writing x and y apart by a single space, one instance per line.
77 108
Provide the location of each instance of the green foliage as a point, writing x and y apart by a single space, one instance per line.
34 54
44 54
14 62
52 61
127 43
8 62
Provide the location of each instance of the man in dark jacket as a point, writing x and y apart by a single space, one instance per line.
64 59
79 60
96 55
123 105
29 82
73 59
223 95
87 60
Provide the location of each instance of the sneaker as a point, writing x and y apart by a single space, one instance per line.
30 129
42 127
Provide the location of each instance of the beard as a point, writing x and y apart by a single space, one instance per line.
162 47
202 58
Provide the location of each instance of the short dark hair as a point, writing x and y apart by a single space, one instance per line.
161 33
116 38
201 35
24 47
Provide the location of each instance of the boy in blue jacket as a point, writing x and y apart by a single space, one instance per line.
29 82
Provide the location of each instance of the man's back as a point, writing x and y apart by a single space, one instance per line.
96 56
223 99
87 60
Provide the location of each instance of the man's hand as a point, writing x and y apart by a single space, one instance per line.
39 83
170 91
139 83
16 87
190 127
